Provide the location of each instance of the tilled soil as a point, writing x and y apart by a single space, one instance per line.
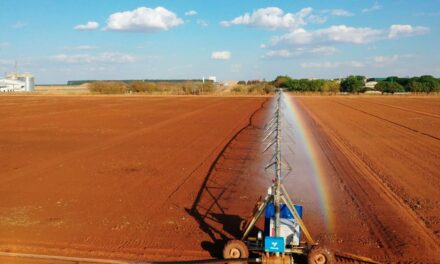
167 178
386 152
110 176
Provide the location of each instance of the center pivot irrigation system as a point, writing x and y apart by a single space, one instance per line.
281 241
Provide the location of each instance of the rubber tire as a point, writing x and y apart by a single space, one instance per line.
235 249
320 255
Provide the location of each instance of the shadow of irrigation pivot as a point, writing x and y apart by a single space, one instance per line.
207 209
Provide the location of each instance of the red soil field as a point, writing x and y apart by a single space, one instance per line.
386 154
110 176
170 178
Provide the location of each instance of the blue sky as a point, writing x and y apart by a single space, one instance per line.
233 40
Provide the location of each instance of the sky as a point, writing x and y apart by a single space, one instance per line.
59 41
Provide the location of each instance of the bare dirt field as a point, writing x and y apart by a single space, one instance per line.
110 176
386 155
167 178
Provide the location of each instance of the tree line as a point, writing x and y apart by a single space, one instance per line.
422 84
119 87
306 85
356 84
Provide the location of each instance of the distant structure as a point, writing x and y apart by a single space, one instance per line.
17 82
212 79
370 83
229 83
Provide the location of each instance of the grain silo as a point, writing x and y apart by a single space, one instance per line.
29 81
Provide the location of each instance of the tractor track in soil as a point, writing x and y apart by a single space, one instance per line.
156 211
390 121
404 109
376 198
229 192
404 202
107 144
353 186
220 155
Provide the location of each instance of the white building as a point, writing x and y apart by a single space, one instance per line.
370 84
210 78
16 82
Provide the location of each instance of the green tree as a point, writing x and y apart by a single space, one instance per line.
104 87
352 84
293 85
391 79
280 81
389 87
316 85
304 85
331 87
142 87
430 84
415 87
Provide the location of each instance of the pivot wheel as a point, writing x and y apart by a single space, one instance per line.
320 255
235 249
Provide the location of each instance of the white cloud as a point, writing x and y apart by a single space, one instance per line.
377 61
288 54
316 19
428 14
324 14
4 45
333 34
336 64
344 34
143 19
22 63
383 61
91 25
78 58
202 23
326 64
281 54
271 18
191 13
338 12
6 62
221 55
80 47
406 31
106 57
376 6
324 50
19 24
116 57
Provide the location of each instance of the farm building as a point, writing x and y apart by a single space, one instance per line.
16 82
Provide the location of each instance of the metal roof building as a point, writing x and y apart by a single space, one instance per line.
16 82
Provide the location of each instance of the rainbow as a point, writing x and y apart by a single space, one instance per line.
310 150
